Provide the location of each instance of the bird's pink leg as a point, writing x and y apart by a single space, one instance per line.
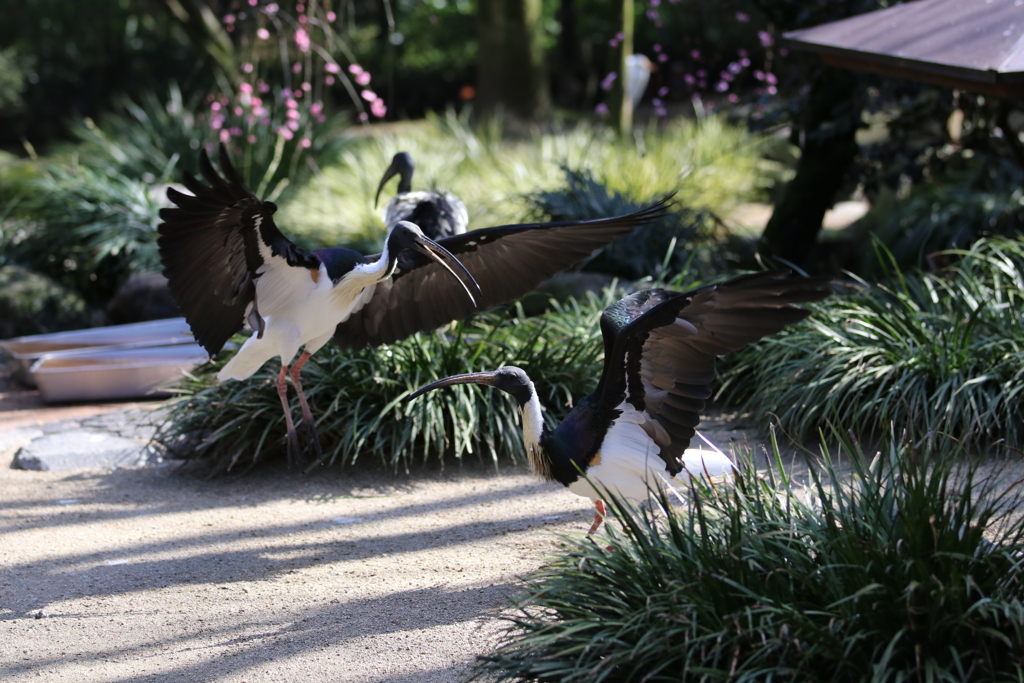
291 438
599 516
307 414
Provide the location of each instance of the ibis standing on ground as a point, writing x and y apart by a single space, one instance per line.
438 214
228 265
630 436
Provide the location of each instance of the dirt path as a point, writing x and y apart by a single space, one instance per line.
133 574
154 574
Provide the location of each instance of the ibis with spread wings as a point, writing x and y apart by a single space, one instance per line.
631 435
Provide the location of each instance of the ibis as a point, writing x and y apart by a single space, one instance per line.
631 435
438 214
229 266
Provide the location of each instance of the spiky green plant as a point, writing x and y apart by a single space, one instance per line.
660 249
358 398
900 571
86 228
942 352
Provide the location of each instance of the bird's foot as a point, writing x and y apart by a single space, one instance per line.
312 439
295 455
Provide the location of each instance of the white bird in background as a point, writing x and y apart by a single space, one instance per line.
638 74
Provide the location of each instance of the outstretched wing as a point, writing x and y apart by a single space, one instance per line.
210 249
507 261
660 346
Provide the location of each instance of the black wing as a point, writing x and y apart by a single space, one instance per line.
660 346
210 250
508 262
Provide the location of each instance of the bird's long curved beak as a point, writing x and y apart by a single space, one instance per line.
488 378
444 257
390 173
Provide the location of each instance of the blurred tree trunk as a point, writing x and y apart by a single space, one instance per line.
622 105
827 150
511 79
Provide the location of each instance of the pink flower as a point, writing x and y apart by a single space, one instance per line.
304 143
660 111
215 106
765 38
690 80
662 91
759 75
251 139
246 88
772 90
262 87
329 80
306 86
239 111
252 3
229 18
331 16
263 34
378 109
302 39
721 86
742 17
225 136
285 133
694 54
255 101
303 19
293 113
663 57
734 68
258 111
363 116
745 62
734 98
247 68
606 82
320 118
296 67
656 47
601 109
300 7
770 77
363 78
291 124
235 130
316 108
332 68
216 122
271 8
368 95
355 69
291 104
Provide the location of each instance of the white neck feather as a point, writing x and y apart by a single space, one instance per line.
366 274
533 428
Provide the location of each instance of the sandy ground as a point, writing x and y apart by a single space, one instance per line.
156 574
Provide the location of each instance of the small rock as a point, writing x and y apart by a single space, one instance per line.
77 448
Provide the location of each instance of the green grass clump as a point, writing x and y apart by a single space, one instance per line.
900 572
939 352
712 164
359 398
